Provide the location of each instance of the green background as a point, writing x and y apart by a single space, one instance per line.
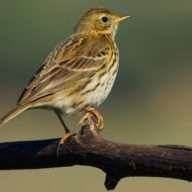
151 102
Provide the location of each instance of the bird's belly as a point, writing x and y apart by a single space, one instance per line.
100 93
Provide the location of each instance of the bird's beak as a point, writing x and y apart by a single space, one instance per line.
120 19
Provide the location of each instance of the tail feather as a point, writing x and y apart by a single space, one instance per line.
13 113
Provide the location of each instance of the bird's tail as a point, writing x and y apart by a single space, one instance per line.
13 113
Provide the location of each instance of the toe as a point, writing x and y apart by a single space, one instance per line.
100 123
63 139
84 119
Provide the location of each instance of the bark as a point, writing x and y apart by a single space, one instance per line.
88 148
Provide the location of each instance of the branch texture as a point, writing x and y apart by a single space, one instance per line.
88 148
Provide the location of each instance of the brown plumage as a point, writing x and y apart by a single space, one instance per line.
79 74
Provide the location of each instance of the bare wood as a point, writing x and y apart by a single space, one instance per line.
88 148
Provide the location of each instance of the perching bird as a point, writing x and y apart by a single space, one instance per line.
79 74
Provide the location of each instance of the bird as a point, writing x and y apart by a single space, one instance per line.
78 74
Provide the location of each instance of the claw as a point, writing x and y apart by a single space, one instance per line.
62 141
91 111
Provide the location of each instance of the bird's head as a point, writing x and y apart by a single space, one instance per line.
99 20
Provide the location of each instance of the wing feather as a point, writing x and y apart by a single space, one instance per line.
77 58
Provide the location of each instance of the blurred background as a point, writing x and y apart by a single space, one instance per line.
151 102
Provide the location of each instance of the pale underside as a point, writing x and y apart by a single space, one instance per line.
78 73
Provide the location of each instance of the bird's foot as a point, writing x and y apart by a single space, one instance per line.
92 111
63 140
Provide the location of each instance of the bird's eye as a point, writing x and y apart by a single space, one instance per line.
104 19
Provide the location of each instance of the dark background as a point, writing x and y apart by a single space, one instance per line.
151 102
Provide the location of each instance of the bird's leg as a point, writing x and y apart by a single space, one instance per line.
62 122
92 111
67 131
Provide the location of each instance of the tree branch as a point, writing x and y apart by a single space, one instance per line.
88 148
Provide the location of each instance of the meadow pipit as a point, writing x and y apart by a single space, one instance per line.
79 74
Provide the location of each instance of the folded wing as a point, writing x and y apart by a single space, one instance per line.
77 58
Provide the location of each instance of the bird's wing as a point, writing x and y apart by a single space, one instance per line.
77 58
